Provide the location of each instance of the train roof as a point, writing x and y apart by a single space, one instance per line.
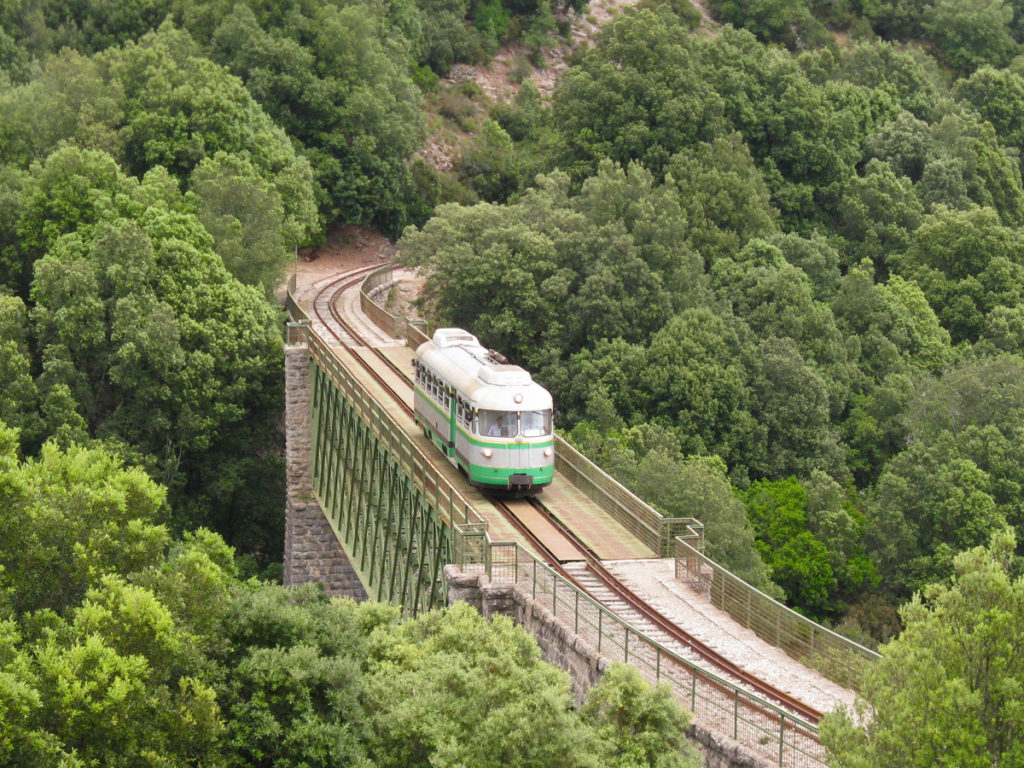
480 373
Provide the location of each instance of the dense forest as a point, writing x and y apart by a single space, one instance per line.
770 263
774 287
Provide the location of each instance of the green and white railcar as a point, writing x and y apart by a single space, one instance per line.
488 417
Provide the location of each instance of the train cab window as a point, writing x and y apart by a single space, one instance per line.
535 423
498 423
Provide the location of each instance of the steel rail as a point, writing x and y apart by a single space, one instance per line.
336 288
667 626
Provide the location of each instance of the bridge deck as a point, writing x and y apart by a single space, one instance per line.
606 537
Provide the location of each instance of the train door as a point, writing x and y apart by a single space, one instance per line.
450 401
516 454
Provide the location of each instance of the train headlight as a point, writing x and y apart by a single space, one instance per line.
487 452
548 452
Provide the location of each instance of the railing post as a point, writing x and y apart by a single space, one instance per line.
782 736
735 714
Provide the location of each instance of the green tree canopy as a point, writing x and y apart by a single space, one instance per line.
470 708
998 95
946 692
931 501
969 35
71 517
967 263
637 95
336 79
797 561
153 341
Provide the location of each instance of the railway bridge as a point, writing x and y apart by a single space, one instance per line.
599 576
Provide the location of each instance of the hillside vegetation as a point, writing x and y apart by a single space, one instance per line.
767 255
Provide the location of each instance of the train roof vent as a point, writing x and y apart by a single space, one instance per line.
453 337
504 375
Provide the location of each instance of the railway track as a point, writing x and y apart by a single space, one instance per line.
325 308
547 535
573 560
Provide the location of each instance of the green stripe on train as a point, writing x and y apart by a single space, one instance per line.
479 473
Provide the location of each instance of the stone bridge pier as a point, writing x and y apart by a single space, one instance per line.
311 548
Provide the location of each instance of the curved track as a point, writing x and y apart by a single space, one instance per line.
325 307
640 606
556 543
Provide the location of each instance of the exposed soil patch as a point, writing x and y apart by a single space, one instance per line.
405 292
345 248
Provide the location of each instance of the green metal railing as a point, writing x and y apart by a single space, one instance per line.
635 515
718 705
837 658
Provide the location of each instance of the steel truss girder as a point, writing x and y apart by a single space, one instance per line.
389 527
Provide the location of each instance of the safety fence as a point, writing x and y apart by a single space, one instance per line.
837 658
635 515
719 705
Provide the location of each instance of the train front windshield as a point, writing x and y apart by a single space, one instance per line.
512 423
535 423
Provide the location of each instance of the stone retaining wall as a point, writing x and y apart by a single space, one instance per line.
561 647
